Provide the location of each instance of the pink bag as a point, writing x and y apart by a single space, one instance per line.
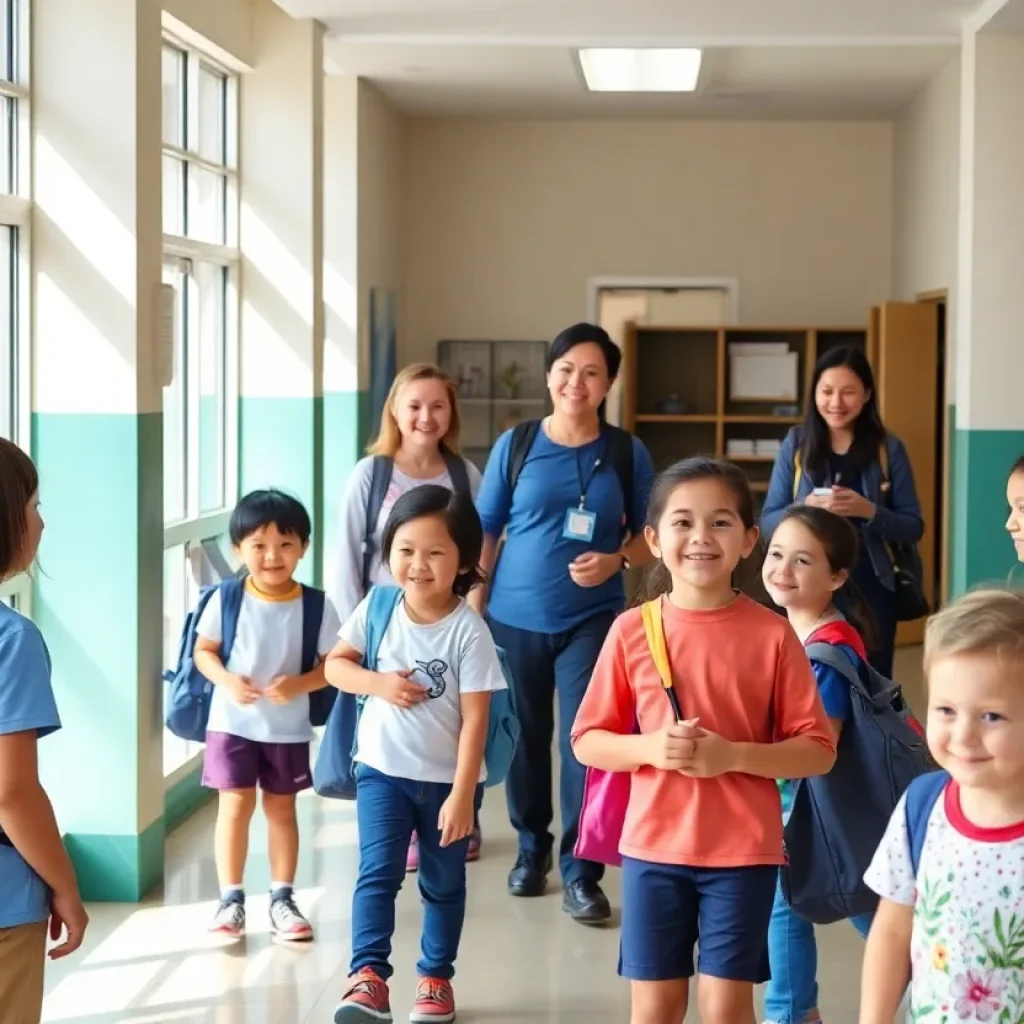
606 794
605 799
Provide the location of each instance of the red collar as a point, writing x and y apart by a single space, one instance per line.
839 633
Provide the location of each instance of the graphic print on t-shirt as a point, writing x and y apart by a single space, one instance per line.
434 670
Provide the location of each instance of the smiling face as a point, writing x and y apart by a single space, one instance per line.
424 559
423 412
840 396
578 381
976 719
1015 499
700 536
271 558
796 571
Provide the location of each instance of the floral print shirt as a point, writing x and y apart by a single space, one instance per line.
967 948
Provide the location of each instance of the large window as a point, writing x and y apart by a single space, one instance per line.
15 220
200 218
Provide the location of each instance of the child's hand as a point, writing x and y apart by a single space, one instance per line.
712 755
282 690
670 748
396 688
455 821
241 689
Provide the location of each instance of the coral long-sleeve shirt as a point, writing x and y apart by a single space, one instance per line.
742 671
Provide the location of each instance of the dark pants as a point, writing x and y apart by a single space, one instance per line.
543 665
388 810
882 603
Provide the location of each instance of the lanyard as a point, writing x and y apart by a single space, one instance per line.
595 469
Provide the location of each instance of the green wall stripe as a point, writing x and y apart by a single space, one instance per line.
118 868
981 550
184 798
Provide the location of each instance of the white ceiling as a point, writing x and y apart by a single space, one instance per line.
788 58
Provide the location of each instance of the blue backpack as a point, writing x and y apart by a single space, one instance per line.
838 819
189 692
922 796
333 772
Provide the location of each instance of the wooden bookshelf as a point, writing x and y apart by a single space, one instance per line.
690 366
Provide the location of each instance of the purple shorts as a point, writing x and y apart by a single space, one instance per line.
233 762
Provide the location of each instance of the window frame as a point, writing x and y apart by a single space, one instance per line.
16 214
198 526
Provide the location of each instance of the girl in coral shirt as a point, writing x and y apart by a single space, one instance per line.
702 840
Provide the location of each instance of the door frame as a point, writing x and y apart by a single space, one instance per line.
730 285
940 296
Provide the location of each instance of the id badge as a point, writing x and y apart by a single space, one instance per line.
579 524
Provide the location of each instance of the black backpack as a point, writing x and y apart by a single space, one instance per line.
619 456
838 819
383 467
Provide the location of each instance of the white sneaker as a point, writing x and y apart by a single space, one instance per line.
286 920
229 919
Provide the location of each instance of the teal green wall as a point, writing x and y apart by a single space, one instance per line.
980 463
344 442
97 600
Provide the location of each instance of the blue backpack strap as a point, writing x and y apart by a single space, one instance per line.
829 654
383 602
620 455
231 593
312 619
922 795
520 443
380 481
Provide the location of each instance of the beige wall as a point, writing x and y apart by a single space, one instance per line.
506 220
381 147
218 25
926 188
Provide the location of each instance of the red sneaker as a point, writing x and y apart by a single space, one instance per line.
434 1002
412 857
367 999
474 845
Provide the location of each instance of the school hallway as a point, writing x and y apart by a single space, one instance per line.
521 960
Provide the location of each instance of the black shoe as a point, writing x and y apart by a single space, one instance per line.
584 901
530 875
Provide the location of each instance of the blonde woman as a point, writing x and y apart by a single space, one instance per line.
418 443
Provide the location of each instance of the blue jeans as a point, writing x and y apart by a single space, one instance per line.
388 810
545 665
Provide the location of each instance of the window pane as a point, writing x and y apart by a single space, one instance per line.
7 31
212 92
8 343
173 96
8 137
206 205
174 196
175 398
211 283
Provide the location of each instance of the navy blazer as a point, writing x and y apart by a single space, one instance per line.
897 512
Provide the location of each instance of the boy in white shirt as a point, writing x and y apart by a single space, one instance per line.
259 729
950 869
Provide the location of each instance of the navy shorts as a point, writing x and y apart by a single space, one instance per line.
233 762
667 908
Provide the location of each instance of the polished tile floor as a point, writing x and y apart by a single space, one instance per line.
521 960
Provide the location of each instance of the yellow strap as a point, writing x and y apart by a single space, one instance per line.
655 631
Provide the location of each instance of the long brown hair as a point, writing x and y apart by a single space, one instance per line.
389 437
19 481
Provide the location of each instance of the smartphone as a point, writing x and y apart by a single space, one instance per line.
822 492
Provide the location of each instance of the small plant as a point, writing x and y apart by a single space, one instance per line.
511 379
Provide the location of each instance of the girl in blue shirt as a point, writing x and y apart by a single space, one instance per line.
37 882
812 555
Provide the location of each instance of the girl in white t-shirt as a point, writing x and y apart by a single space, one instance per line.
418 442
419 747
954 923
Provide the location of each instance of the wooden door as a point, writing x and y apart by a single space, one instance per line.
906 368
616 311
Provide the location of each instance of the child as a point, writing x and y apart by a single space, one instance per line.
419 748
1015 499
953 926
702 842
37 881
259 730
811 556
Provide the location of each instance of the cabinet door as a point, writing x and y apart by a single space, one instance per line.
907 376
627 378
